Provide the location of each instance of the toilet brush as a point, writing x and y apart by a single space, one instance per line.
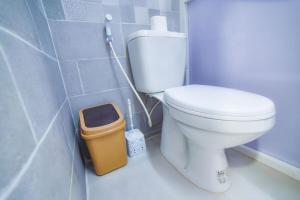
135 139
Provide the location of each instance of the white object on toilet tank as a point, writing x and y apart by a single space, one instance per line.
135 141
159 23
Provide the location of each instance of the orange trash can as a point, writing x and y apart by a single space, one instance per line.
103 130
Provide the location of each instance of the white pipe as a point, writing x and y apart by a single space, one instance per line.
153 108
130 84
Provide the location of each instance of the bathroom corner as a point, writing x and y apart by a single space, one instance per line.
55 61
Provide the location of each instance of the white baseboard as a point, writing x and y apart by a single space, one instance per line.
270 161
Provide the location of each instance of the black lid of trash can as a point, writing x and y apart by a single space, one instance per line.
100 115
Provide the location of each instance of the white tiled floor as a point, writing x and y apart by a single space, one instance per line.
152 177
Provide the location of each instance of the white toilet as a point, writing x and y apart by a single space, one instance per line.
199 121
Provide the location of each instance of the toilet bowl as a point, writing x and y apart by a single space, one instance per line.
199 121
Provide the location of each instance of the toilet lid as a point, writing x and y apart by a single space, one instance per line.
219 103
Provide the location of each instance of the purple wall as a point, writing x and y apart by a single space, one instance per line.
254 46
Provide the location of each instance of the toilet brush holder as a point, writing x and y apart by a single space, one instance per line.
135 141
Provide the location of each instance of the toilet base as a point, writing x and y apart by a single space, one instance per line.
207 168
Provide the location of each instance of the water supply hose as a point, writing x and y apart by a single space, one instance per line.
153 108
130 84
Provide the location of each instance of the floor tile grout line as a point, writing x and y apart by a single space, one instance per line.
14 35
72 169
19 94
86 180
8 189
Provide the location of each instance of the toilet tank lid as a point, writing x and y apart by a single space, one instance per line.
220 103
151 33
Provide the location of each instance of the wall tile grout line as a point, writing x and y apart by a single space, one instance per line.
99 92
91 59
100 22
162 13
80 79
26 42
79 21
19 95
29 10
63 8
15 181
103 91
123 42
121 23
58 62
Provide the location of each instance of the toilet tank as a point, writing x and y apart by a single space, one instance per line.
157 59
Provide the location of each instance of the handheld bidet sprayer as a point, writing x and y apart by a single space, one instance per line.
109 40
108 32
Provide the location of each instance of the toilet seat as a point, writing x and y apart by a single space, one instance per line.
219 103
236 127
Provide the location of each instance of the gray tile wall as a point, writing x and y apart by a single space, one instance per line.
91 74
39 152
48 74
